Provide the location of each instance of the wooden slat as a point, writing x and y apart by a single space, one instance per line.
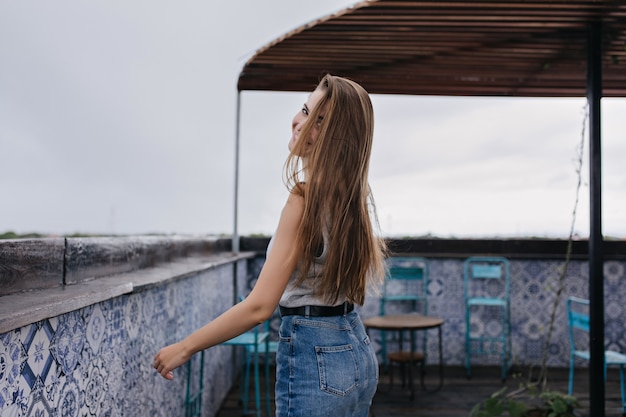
500 40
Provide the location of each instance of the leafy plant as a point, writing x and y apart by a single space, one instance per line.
557 404
497 405
533 404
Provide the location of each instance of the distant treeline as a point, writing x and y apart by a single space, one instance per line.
13 235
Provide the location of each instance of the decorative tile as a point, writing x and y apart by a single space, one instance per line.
39 404
533 329
96 388
435 287
13 358
40 361
133 315
71 399
131 363
147 306
96 326
114 314
67 343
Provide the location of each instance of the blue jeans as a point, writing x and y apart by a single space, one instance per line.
325 366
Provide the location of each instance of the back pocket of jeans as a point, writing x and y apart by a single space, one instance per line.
338 369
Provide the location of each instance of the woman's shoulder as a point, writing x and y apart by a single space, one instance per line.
295 200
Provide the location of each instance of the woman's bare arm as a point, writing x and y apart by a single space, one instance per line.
256 308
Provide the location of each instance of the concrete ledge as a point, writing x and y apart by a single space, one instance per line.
21 309
89 258
24 308
31 264
34 264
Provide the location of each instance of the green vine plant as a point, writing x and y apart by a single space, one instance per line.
543 375
543 402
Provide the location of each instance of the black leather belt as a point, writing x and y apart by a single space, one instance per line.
317 311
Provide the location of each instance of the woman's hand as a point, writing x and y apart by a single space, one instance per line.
170 358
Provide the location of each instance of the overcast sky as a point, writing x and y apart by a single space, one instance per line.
119 117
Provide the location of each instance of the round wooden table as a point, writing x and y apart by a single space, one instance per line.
411 323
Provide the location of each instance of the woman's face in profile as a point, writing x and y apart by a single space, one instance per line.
302 116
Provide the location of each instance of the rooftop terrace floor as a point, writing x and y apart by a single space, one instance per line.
458 394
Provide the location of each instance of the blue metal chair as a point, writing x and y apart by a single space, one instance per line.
578 327
195 383
486 282
267 349
406 283
254 342
272 345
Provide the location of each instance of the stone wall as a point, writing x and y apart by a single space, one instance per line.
96 359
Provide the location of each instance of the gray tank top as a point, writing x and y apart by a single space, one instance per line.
303 294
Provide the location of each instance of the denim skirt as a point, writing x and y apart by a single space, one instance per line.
325 366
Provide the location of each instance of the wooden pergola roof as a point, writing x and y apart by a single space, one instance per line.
450 47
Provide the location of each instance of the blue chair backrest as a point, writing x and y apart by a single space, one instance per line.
407 272
487 271
407 268
406 280
486 276
578 319
578 324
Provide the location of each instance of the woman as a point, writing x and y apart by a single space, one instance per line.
320 262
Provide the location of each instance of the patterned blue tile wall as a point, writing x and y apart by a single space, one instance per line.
533 294
97 361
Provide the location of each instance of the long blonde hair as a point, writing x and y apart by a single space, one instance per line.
337 194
